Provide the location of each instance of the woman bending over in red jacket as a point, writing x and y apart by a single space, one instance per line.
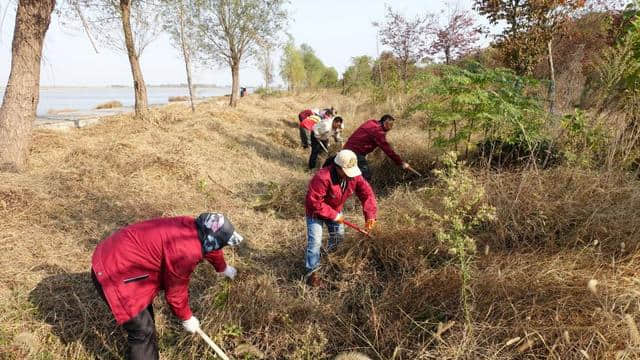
132 265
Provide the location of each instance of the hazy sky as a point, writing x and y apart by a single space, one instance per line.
336 29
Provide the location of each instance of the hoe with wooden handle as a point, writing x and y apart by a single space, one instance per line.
213 345
323 147
414 171
356 228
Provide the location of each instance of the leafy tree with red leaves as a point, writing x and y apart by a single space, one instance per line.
457 36
407 38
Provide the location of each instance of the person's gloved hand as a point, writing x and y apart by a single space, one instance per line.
339 219
405 165
370 224
191 325
230 272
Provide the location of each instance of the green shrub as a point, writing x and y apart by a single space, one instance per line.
469 104
585 142
464 209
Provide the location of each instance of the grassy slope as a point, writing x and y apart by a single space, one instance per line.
387 295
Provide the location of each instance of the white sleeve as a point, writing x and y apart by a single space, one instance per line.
316 129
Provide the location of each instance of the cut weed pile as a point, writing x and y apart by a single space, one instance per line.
395 296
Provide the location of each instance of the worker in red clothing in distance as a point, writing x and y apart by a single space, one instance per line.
132 265
368 137
328 190
308 119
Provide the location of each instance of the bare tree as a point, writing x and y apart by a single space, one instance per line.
179 22
265 63
232 29
21 96
407 38
139 24
457 35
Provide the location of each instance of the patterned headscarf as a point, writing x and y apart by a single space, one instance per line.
215 232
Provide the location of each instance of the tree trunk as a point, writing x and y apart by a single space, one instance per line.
447 55
268 67
138 81
405 67
268 74
235 83
552 83
187 58
18 111
187 64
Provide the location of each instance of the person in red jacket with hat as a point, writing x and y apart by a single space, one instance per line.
132 265
368 137
328 190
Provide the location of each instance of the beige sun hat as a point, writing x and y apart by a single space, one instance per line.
348 162
354 355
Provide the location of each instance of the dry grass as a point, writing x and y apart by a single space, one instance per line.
178 98
395 296
566 207
109 105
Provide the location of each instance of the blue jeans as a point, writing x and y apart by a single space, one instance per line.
314 240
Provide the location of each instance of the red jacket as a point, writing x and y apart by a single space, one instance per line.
325 197
367 137
139 260
310 122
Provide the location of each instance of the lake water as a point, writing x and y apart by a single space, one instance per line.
87 98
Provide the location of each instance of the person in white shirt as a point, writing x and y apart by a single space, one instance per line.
308 118
325 113
320 135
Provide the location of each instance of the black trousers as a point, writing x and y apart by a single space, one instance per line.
141 331
316 149
304 137
363 165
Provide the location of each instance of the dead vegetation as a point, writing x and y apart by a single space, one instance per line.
396 296
178 98
109 105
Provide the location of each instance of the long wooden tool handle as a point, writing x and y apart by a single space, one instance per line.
323 147
355 227
213 345
414 171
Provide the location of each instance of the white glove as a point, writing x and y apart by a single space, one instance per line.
230 272
191 325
